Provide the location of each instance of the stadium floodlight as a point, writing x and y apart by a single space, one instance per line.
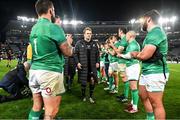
65 22
167 28
173 19
74 22
165 20
33 19
162 20
26 19
132 21
81 22
137 21
23 26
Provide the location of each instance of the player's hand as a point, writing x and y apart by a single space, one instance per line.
79 66
111 44
119 55
69 39
97 65
134 54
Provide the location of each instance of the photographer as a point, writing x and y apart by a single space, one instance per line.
15 83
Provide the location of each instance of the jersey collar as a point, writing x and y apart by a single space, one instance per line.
43 19
153 28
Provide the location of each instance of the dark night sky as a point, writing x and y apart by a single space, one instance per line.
87 10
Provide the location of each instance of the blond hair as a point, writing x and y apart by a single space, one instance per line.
87 28
132 33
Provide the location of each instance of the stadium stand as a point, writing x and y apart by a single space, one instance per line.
17 34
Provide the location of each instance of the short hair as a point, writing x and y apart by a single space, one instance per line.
107 41
42 6
111 37
153 14
87 28
123 29
132 33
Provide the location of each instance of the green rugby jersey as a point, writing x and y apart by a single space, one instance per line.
112 58
132 46
123 43
45 39
158 38
117 44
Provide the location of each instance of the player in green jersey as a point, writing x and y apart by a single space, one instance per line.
113 67
154 67
102 64
46 74
132 70
120 49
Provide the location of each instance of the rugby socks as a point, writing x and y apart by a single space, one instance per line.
98 73
126 89
67 80
83 90
135 98
91 90
34 115
150 116
111 82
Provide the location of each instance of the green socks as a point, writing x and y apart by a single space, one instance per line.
34 115
103 78
98 74
135 98
126 89
111 82
150 116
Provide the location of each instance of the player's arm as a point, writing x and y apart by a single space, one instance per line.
128 55
76 53
118 50
29 53
125 56
146 53
112 52
97 57
66 48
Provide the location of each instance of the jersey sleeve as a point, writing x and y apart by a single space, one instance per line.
133 48
123 43
153 40
57 34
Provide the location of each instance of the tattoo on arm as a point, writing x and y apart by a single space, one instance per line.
66 49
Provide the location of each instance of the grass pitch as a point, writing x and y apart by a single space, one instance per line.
106 106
